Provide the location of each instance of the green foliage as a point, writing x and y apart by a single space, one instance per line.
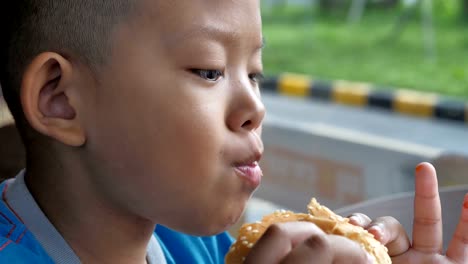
327 47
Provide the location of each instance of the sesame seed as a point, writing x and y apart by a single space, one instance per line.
245 242
283 211
243 238
249 228
286 215
250 245
232 249
255 231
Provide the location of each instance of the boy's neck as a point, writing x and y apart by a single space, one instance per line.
96 230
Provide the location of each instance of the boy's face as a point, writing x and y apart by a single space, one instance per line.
173 130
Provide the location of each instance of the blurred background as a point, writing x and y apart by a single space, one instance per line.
417 44
341 150
348 154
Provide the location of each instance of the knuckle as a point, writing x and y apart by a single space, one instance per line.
426 197
427 248
318 241
428 221
462 237
275 230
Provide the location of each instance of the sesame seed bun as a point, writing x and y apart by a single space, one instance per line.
321 216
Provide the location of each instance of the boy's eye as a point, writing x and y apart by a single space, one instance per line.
210 75
256 77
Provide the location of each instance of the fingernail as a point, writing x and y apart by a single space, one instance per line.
355 220
464 215
419 167
377 231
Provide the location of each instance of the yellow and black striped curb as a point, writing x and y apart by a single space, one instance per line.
367 95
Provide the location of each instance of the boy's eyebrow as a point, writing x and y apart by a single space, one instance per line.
218 33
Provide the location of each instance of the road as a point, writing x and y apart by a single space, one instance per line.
383 146
446 136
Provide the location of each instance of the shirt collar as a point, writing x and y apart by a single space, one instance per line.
24 205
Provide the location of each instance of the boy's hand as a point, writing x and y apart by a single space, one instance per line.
427 227
304 242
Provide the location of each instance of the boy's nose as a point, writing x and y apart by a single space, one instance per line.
247 109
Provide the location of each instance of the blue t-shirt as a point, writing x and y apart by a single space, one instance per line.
180 248
19 245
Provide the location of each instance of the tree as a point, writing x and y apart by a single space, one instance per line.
464 10
329 5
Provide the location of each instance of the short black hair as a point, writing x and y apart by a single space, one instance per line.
78 29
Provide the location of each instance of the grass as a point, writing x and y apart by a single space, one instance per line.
327 47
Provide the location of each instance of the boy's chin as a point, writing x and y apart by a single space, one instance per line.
211 226
211 222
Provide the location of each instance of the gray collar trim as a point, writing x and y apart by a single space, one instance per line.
22 202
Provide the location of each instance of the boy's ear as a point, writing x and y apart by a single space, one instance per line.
47 92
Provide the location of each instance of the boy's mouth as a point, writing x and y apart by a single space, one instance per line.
248 153
250 171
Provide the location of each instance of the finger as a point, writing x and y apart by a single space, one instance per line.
390 233
279 240
458 247
427 222
348 251
328 249
317 247
359 219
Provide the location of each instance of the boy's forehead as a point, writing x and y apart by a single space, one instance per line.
168 26
182 18
199 5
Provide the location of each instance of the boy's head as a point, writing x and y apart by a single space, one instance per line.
150 106
78 30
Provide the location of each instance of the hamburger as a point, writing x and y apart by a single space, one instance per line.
321 216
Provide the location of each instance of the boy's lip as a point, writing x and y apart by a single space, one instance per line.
248 152
250 170
252 159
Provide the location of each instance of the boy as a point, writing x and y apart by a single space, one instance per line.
138 116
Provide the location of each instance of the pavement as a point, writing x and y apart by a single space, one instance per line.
445 135
369 125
